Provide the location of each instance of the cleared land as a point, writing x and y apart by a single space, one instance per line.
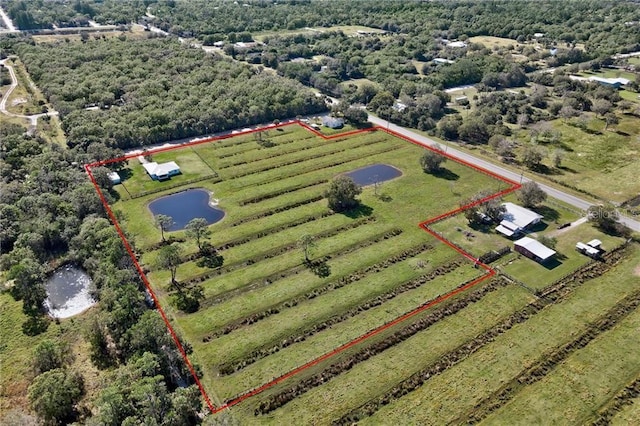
265 312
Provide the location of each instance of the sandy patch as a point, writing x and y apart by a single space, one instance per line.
636 271
18 101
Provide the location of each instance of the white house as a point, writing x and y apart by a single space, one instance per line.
162 171
516 219
533 249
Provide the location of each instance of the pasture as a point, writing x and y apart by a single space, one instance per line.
330 340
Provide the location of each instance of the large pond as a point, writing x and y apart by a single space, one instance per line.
68 292
186 205
375 173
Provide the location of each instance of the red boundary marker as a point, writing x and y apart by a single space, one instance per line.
424 225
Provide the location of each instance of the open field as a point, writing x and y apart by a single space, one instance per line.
267 315
491 42
350 30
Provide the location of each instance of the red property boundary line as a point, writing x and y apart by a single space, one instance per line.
489 272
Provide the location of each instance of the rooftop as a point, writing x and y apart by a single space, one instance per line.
538 249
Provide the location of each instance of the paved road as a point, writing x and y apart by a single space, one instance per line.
33 119
514 176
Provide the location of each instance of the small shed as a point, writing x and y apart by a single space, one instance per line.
114 177
533 249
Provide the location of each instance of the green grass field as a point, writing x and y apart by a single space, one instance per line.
266 313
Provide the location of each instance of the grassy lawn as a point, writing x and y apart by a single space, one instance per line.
573 392
298 158
16 352
446 396
490 41
628 415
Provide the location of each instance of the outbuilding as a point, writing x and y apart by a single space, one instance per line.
516 219
114 177
533 249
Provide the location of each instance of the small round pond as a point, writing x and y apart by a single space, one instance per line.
375 173
186 205
68 292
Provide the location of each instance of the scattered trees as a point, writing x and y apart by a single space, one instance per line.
342 194
532 156
49 355
307 244
198 229
169 258
431 160
164 223
530 195
548 241
54 395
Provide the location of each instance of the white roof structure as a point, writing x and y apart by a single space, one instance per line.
620 80
161 169
595 243
457 44
587 249
114 177
536 248
516 218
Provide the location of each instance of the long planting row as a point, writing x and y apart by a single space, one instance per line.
560 292
277 251
293 161
281 398
276 276
623 398
547 362
257 148
271 153
271 348
233 140
345 159
269 195
334 285
283 208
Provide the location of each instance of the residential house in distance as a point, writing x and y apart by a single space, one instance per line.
159 171
516 220
533 249
333 122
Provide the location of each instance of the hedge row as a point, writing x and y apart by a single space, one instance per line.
276 276
556 294
277 251
622 398
232 154
547 362
277 210
386 148
334 285
301 160
493 255
268 196
278 400
231 367
273 154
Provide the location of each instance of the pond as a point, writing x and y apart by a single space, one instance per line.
375 173
68 292
186 205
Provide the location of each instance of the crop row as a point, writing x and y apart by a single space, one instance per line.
386 148
301 160
277 210
547 362
273 154
277 251
269 195
276 276
278 400
556 294
334 285
233 154
624 397
231 367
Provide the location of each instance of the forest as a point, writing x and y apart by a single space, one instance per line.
155 90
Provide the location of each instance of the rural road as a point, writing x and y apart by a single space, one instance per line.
33 119
9 27
581 204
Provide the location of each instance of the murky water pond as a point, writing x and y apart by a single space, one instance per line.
68 292
375 173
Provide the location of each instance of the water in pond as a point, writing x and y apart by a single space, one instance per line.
68 292
186 205
375 173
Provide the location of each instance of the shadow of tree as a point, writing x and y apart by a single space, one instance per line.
549 214
319 268
357 212
446 174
